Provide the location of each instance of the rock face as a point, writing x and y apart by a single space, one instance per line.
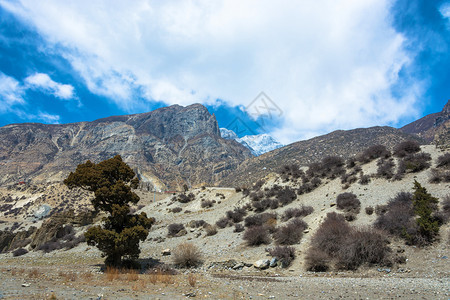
167 147
434 128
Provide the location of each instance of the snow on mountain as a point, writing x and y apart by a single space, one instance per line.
258 144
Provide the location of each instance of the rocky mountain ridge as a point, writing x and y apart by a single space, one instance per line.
168 147
258 144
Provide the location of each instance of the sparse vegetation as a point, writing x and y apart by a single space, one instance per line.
302 211
374 152
284 254
348 202
290 233
187 255
406 147
175 229
257 235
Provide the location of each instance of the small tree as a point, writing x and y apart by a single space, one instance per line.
111 181
424 204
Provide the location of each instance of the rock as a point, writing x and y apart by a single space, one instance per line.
166 252
273 262
181 233
262 264
25 284
190 295
306 231
332 204
238 266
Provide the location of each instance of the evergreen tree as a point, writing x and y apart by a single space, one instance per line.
111 181
424 204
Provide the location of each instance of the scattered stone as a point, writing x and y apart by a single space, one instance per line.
25 284
273 262
332 204
238 266
190 295
387 270
306 231
262 264
166 252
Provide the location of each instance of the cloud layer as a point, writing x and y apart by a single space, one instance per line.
326 64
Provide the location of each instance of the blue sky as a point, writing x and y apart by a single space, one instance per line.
293 69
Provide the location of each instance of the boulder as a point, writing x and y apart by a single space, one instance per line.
166 252
262 264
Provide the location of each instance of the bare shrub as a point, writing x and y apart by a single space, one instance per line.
20 252
385 168
284 254
439 175
262 205
443 161
187 255
364 179
238 228
257 186
176 209
236 215
406 147
348 202
416 162
259 219
210 230
369 210
380 209
174 229
291 171
192 279
207 203
331 233
317 260
196 223
257 235
363 245
302 211
373 152
290 233
183 198
223 222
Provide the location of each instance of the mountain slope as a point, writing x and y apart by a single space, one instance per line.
434 128
258 144
167 147
344 143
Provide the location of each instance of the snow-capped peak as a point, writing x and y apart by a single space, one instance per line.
258 144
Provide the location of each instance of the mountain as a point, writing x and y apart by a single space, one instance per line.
167 147
343 143
434 128
257 144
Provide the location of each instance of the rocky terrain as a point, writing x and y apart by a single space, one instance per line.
167 148
228 269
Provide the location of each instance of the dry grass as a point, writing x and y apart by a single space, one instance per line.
34 273
192 279
112 273
158 275
132 275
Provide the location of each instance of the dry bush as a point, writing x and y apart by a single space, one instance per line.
34 273
174 229
187 255
20 252
207 203
331 233
369 210
385 168
210 229
364 179
380 209
439 175
196 223
176 209
223 222
132 275
348 202
443 161
112 273
373 152
192 279
259 219
161 274
317 260
302 211
284 254
406 147
257 186
183 198
414 162
238 228
363 245
399 216
257 235
262 205
290 233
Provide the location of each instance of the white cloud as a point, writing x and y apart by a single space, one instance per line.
11 93
445 10
327 64
47 118
43 82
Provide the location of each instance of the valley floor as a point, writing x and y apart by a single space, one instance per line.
70 275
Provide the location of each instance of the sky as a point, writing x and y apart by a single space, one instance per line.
292 69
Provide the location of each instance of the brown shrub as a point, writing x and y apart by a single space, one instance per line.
223 222
443 161
187 255
373 152
302 211
331 233
236 215
174 229
210 230
257 235
364 179
415 162
238 228
317 260
369 210
291 233
406 147
192 279
385 168
259 219
284 254
348 202
207 203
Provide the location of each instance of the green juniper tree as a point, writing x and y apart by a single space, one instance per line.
111 181
424 204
